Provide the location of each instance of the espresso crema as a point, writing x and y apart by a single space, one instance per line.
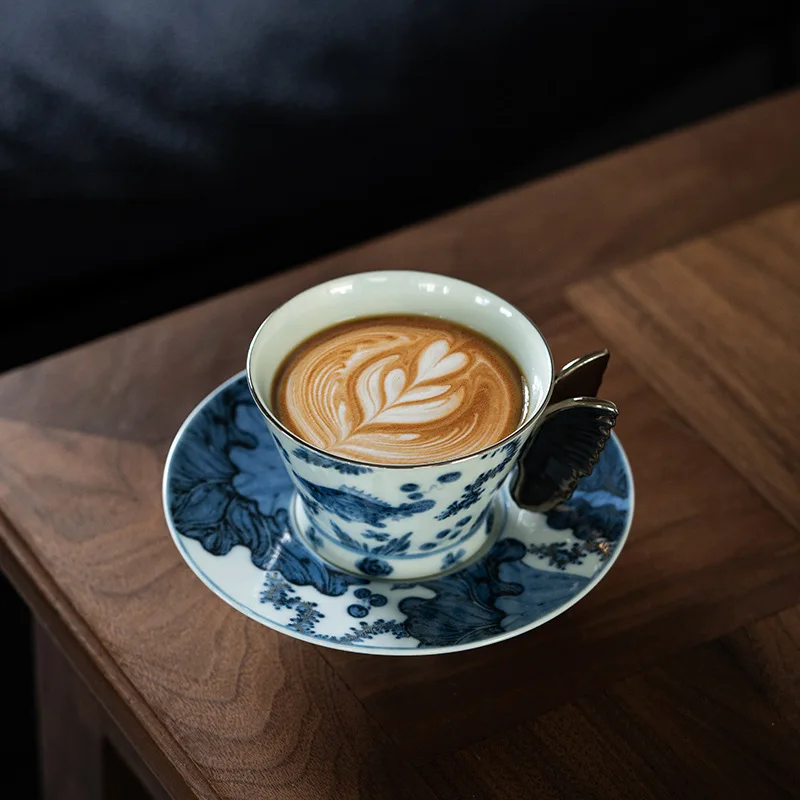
399 390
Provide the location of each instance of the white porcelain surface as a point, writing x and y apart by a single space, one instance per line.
228 498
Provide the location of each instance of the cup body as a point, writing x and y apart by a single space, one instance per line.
396 521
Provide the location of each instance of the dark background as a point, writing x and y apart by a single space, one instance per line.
139 173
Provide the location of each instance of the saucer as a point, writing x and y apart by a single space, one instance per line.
227 500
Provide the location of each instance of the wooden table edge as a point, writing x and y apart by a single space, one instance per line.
103 677
578 296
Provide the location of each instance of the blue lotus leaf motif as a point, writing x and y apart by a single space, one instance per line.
464 608
543 592
257 467
207 503
587 522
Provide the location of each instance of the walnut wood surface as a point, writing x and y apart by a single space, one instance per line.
667 678
714 325
692 570
719 720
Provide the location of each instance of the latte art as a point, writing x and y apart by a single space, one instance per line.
399 390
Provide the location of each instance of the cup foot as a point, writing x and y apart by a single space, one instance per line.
369 561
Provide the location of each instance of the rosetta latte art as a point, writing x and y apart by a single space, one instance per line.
399 390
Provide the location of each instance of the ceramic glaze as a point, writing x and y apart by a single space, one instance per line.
228 500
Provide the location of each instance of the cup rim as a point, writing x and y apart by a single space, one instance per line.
267 412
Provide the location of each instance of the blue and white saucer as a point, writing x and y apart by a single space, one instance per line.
227 498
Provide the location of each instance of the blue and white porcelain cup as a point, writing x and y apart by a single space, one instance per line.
411 522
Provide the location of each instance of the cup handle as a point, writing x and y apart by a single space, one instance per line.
574 429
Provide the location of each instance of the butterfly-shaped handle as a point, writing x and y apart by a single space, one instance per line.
565 447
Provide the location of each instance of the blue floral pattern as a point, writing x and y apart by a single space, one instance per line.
318 460
473 492
353 505
390 547
451 559
467 605
376 567
281 595
227 488
368 600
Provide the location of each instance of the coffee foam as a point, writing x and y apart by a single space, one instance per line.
399 390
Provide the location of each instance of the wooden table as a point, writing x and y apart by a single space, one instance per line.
676 677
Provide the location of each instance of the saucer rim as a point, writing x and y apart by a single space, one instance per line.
177 539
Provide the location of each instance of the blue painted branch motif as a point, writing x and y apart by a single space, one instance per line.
473 492
306 617
280 594
353 505
391 547
400 545
368 630
277 592
559 554
489 520
312 506
318 460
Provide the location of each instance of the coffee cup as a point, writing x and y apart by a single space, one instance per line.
403 521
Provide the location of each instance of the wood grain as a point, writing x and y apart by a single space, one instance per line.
527 245
704 557
714 325
720 720
245 705
220 707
